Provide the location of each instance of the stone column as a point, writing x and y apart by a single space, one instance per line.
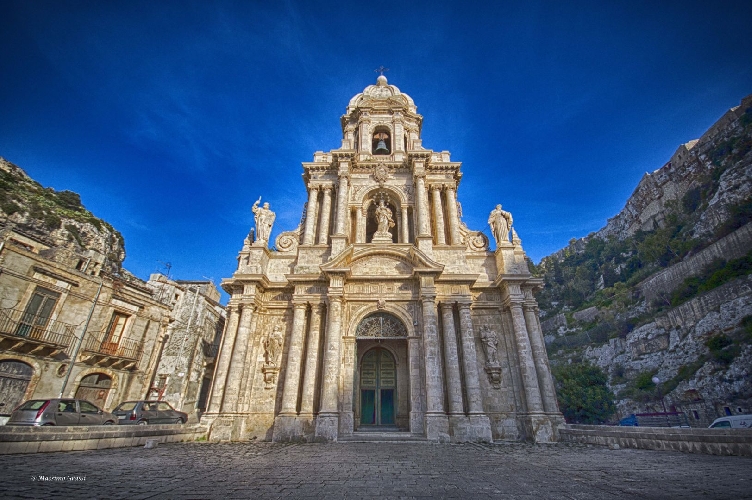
327 422
326 210
422 208
405 226
416 386
311 209
451 360
312 361
436 420
237 370
438 215
454 220
470 360
548 392
225 354
527 365
294 355
342 195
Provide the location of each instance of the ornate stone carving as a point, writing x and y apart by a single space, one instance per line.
380 266
500 222
491 349
288 241
475 241
381 325
264 219
380 174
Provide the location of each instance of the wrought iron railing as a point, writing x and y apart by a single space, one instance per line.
100 344
21 324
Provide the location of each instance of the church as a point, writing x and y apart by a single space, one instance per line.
382 311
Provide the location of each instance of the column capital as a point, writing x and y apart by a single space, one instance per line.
435 187
446 305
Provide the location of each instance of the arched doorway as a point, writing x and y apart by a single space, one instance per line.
14 380
94 388
378 388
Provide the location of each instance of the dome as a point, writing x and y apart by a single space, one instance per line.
381 91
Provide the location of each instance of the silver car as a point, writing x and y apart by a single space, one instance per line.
148 412
60 412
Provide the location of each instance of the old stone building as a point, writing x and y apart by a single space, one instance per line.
70 328
382 310
186 361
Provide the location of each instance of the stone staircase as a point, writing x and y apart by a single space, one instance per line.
380 434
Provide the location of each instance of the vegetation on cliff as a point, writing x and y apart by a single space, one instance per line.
50 214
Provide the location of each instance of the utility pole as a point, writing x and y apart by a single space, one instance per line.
81 340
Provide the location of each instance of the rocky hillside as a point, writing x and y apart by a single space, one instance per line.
663 290
57 218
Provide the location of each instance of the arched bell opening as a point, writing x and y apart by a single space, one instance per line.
381 141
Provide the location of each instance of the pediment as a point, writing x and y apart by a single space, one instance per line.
382 262
381 265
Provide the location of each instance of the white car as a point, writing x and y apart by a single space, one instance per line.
732 422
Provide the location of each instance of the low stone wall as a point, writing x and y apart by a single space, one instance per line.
17 439
737 442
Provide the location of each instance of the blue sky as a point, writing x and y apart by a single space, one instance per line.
172 118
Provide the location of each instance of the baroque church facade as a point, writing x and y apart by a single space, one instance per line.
382 310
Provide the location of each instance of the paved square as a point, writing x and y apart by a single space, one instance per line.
370 470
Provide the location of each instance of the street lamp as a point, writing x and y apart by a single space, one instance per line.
657 383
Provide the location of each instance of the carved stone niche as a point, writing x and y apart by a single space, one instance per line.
270 375
494 375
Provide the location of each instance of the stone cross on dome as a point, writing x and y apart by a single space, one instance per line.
381 70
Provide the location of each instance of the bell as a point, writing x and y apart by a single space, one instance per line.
381 148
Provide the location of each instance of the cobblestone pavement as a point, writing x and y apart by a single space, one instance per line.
368 470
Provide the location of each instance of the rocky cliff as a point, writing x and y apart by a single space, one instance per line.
57 219
663 290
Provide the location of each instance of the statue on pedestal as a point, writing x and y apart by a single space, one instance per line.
500 222
384 220
264 219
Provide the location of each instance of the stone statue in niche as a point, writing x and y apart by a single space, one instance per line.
264 219
500 222
491 348
490 345
384 220
273 347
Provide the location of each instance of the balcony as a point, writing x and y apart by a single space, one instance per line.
26 334
97 350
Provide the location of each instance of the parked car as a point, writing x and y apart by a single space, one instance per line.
60 412
732 422
148 412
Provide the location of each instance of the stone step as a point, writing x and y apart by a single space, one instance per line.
375 436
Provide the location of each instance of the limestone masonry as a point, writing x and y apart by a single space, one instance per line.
382 310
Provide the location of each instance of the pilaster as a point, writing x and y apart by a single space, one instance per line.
326 209
327 422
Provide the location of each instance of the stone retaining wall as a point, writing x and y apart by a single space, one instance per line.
737 442
733 246
17 439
